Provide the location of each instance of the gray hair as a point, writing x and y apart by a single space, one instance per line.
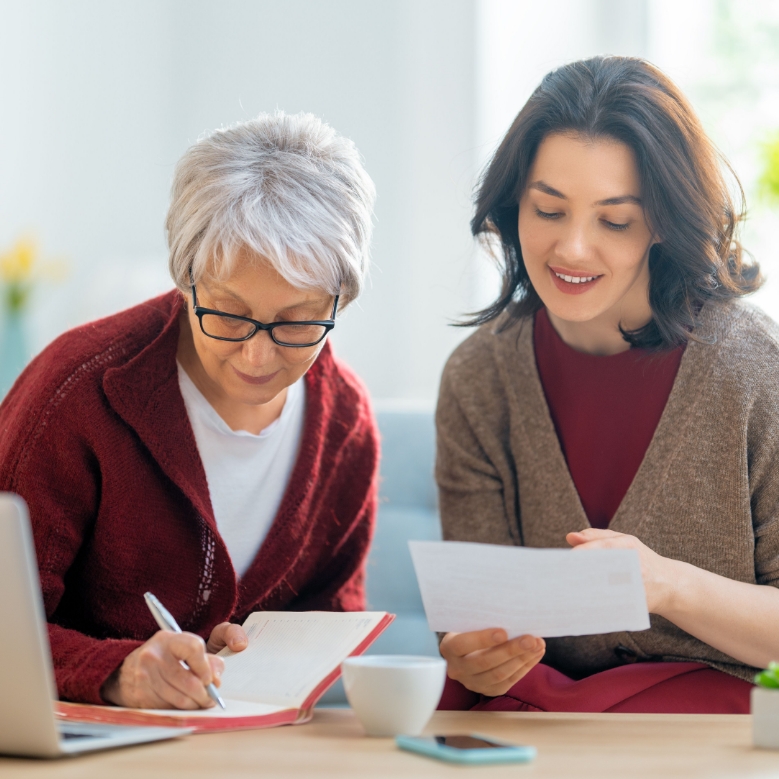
285 186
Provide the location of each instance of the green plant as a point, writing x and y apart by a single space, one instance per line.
769 678
769 179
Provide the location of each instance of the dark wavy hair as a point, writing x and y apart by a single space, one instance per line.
685 196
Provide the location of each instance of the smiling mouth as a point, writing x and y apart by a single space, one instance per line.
575 279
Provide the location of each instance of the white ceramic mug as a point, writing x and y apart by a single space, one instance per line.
393 694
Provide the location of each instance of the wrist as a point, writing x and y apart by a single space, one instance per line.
670 587
109 692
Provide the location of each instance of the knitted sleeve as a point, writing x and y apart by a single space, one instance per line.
477 489
763 468
45 458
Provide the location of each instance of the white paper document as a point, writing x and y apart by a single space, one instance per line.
544 592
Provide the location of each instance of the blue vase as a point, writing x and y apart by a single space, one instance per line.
13 350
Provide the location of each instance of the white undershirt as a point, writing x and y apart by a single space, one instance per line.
247 474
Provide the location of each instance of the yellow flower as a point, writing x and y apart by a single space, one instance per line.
20 268
16 265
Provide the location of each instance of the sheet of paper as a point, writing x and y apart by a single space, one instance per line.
289 653
544 592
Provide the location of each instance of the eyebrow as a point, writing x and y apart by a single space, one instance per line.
610 201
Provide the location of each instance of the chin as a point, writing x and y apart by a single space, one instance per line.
572 311
253 396
577 316
241 391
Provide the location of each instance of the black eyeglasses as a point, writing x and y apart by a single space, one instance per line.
229 327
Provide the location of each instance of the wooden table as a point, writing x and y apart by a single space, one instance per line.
628 746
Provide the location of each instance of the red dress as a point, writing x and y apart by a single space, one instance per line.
96 438
605 411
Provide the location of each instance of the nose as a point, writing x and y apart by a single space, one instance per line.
575 244
259 350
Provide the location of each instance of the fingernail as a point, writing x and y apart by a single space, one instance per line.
497 636
528 642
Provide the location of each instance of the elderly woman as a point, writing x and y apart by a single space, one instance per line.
206 445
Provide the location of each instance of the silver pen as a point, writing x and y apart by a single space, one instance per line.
166 622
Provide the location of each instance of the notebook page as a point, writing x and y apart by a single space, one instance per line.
289 653
233 708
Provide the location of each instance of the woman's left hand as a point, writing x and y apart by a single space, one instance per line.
656 571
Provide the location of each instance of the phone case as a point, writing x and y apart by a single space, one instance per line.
508 753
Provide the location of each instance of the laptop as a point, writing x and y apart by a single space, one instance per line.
28 725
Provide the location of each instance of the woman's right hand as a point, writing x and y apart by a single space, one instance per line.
152 677
484 661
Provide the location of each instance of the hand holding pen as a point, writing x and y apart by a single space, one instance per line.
152 675
166 622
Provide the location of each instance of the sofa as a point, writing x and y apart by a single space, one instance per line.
407 511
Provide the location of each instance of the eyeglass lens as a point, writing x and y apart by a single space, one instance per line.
238 329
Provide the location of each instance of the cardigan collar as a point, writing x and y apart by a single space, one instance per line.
145 393
561 511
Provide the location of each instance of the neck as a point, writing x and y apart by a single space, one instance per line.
601 335
590 337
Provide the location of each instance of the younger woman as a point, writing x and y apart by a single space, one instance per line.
618 394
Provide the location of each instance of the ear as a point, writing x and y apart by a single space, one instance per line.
654 241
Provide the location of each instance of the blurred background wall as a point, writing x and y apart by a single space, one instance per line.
99 98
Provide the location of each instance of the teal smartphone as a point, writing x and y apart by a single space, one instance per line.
472 749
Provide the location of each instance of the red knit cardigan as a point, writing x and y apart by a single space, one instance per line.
95 437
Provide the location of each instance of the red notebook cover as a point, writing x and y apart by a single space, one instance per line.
115 715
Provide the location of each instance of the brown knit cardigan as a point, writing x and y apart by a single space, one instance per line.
707 491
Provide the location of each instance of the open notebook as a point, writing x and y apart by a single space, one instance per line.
291 660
